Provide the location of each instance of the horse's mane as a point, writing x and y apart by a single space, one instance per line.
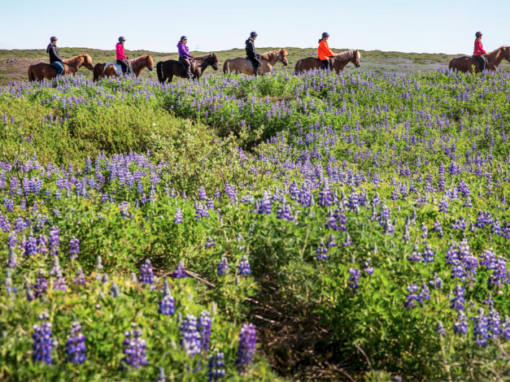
269 55
72 61
345 56
204 58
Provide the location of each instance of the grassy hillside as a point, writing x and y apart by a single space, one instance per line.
14 63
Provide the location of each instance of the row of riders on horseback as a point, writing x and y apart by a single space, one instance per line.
254 64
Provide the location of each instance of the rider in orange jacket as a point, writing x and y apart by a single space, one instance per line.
325 54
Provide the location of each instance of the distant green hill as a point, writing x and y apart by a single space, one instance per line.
14 63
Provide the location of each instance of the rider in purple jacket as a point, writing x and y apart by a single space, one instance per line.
184 56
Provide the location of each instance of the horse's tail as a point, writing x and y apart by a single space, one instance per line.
297 69
31 76
225 66
452 63
96 72
159 68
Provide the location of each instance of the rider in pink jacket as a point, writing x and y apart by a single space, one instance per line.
121 57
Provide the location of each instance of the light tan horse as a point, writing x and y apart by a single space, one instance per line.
339 62
268 59
466 63
38 72
137 65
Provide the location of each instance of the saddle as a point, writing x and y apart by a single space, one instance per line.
118 68
193 66
482 60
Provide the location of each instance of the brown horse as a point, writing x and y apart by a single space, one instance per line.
38 72
168 69
137 65
340 61
268 59
466 63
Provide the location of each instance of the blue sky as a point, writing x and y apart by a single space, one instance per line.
445 26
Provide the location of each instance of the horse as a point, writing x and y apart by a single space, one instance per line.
268 59
168 69
466 63
137 65
38 72
340 61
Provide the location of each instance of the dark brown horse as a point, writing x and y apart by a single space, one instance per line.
168 69
268 59
38 72
466 63
137 65
339 62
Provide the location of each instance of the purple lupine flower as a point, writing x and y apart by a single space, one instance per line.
134 346
321 252
458 299
499 275
460 326
247 347
79 277
506 328
325 198
481 328
76 348
348 242
493 324
210 242
43 343
41 284
331 221
20 225
178 216
353 281
331 242
204 328
54 240
488 259
369 270
74 248
424 230
411 297
244 267
31 246
216 367
41 244
190 337
12 262
415 255
436 282
146 276
167 302
424 293
222 266
201 194
60 282
180 273
440 329
161 375
443 206
428 254
13 239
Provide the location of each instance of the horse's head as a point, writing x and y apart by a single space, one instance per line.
356 58
87 62
282 57
506 53
212 60
149 62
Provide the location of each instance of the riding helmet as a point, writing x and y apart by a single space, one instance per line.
478 34
183 38
325 34
53 38
121 38
253 34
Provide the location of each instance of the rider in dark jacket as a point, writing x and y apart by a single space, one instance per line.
55 58
252 54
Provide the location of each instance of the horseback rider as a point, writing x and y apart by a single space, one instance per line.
55 59
480 52
122 59
252 54
184 56
325 54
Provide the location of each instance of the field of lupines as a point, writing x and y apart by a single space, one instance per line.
356 226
